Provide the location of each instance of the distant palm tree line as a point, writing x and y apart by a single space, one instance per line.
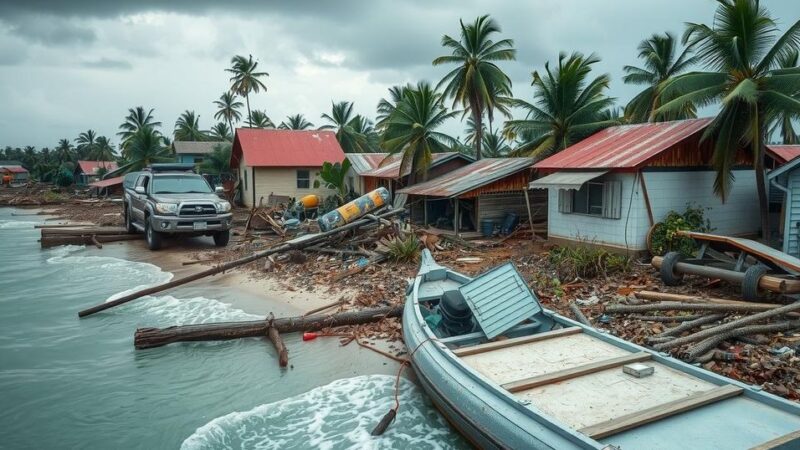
755 83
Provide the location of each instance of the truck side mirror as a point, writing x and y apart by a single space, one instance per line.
139 190
219 190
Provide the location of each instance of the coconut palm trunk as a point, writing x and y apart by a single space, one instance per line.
477 116
249 115
758 166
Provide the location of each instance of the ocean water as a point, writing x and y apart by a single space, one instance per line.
79 383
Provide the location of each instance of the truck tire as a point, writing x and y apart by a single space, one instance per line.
221 238
752 276
668 274
152 236
128 220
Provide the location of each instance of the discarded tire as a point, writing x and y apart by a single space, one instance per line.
668 274
752 276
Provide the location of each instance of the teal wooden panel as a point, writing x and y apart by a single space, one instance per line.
500 299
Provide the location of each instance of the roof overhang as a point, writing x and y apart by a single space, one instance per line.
566 180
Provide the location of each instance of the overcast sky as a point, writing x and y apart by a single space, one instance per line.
68 66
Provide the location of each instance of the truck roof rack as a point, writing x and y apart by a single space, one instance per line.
170 167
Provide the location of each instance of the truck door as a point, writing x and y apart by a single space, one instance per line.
138 201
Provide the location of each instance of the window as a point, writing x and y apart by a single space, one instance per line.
594 198
142 181
303 179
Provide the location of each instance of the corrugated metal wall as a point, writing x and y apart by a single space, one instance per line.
496 205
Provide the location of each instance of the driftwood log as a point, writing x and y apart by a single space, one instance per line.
54 241
676 306
667 297
280 347
703 347
297 243
156 337
579 316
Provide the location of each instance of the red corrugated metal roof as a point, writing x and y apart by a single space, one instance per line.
285 148
469 177
13 169
107 183
91 167
623 147
391 168
784 153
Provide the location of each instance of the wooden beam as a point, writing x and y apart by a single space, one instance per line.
646 199
574 372
496 345
639 418
778 442
530 216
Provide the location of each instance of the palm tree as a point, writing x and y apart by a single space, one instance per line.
495 146
411 130
64 151
477 81
350 128
218 161
228 109
471 132
103 151
742 52
296 122
660 65
187 128
566 107
259 119
783 124
136 119
386 107
86 143
245 79
221 132
146 146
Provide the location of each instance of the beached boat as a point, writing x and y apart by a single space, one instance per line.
508 374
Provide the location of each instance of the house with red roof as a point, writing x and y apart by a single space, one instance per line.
612 187
12 172
281 162
87 172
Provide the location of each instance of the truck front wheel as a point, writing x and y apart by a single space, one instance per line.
221 238
152 236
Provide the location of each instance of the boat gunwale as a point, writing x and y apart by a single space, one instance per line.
754 393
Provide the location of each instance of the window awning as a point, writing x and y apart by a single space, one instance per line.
565 180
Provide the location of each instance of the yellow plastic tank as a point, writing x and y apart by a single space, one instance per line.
310 201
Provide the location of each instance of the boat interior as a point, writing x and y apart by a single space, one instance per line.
600 386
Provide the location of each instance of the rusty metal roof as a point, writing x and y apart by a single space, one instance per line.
363 162
469 177
784 153
624 146
107 183
391 168
91 167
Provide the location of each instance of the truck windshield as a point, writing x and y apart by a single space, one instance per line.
180 185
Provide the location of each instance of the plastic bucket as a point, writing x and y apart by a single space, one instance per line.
509 223
487 227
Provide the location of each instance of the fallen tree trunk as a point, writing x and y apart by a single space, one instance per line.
280 347
83 231
667 297
55 241
579 316
738 323
300 242
686 326
673 306
156 337
703 347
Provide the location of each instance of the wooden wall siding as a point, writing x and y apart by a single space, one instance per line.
495 206
692 153
512 183
791 237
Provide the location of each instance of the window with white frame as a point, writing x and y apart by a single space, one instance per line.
594 198
303 179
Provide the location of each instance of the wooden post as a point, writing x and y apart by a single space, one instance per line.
425 211
456 217
646 199
280 347
530 216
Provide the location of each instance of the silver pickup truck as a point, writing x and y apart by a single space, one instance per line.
170 199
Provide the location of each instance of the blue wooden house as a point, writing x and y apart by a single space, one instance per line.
786 179
193 151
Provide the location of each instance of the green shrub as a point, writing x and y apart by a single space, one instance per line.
664 236
64 178
587 261
402 249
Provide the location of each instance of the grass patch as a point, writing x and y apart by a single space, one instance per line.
587 261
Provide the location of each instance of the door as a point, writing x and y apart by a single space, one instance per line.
138 200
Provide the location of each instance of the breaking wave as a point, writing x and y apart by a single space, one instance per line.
339 415
16 224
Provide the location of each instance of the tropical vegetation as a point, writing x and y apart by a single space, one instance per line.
245 79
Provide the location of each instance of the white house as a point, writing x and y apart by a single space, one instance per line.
281 162
613 186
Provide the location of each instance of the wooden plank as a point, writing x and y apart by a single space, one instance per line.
466 351
779 442
573 372
633 420
753 248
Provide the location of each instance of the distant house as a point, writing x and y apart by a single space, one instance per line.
781 154
193 151
611 187
13 172
360 164
90 171
388 175
110 186
485 190
281 162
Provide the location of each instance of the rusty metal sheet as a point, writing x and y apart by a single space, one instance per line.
364 162
391 168
470 177
624 146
